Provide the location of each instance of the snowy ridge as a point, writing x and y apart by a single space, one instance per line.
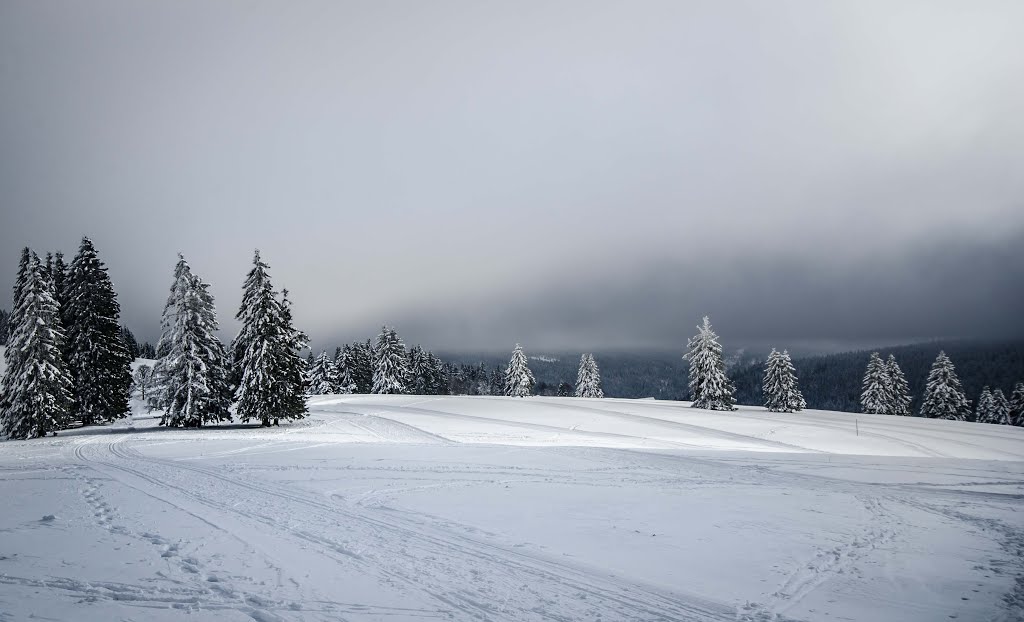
483 508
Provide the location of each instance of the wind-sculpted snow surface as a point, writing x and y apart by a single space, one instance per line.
457 508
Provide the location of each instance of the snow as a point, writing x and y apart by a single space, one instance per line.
490 508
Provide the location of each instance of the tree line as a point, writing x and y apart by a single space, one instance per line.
68 362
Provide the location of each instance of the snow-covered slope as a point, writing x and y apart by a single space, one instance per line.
456 508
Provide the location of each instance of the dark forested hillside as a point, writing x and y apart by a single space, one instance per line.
831 382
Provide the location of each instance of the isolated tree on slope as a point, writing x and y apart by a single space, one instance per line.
97 359
781 392
36 387
710 388
193 371
323 376
265 353
390 364
142 381
1017 405
1000 408
874 398
519 379
943 395
899 390
588 378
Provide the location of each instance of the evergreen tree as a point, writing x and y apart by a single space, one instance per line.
390 364
437 379
130 343
97 359
323 376
984 411
710 388
361 363
1017 405
5 326
147 351
343 363
497 382
876 396
36 387
1000 408
266 353
193 373
588 378
519 380
899 390
943 396
59 275
418 372
781 393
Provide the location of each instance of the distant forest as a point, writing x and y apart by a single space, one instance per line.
828 382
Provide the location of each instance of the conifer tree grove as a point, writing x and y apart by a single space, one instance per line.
1000 408
390 364
983 411
36 388
1017 405
781 392
266 354
193 373
323 376
97 359
899 390
943 395
519 379
875 397
710 388
588 378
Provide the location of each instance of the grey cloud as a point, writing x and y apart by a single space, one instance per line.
418 163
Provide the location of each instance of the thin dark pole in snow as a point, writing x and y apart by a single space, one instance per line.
856 424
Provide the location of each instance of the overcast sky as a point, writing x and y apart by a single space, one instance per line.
570 175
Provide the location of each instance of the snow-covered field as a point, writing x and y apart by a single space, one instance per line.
459 508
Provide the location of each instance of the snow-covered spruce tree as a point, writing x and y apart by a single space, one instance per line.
519 379
781 393
1000 408
497 382
343 362
418 372
361 364
323 376
1017 405
588 378
97 359
36 388
983 410
943 395
899 390
193 373
291 368
265 354
875 397
710 388
390 363
437 378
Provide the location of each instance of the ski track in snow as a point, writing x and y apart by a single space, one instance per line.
262 538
